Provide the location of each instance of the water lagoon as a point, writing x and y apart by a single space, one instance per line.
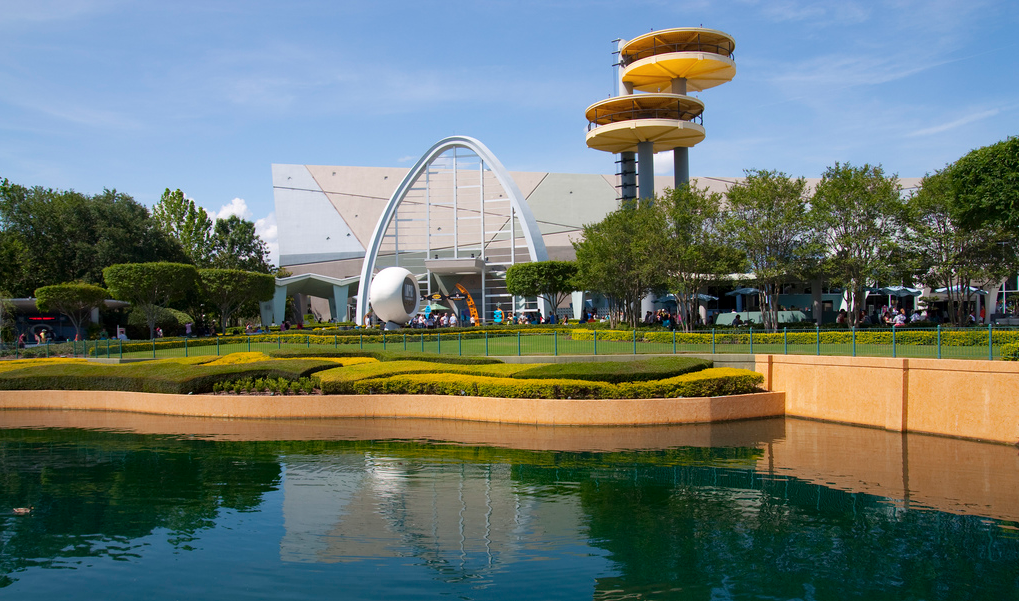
133 506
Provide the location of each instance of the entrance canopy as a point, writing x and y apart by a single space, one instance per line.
336 290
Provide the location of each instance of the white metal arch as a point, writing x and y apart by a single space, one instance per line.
532 235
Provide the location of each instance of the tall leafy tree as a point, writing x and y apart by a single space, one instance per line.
947 254
986 185
767 222
51 236
230 289
235 245
6 318
76 300
180 218
621 257
549 280
695 249
856 211
150 286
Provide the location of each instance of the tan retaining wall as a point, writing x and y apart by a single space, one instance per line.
558 412
969 399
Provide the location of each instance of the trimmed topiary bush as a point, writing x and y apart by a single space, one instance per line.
617 371
709 382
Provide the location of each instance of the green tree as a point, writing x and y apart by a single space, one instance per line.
187 223
945 254
76 300
985 183
767 222
621 257
229 289
49 236
6 318
695 250
235 245
549 280
856 211
150 286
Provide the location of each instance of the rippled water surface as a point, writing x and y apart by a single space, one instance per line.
764 510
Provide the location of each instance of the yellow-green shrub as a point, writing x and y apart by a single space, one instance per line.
710 382
341 380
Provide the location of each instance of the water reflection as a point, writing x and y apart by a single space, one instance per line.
771 509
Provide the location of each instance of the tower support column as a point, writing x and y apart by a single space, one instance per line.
628 175
681 165
646 168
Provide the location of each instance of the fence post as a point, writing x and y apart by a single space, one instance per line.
674 342
249 344
460 343
990 342
405 341
595 341
555 343
939 341
438 342
153 348
383 340
712 341
635 341
785 340
185 347
854 341
422 342
518 343
751 340
362 341
818 340
279 341
308 339
486 343
47 348
121 344
217 345
893 342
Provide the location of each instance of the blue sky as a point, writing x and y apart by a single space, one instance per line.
205 96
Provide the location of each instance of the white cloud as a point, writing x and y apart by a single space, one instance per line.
237 206
267 231
937 129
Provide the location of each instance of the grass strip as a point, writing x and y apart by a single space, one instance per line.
383 355
614 372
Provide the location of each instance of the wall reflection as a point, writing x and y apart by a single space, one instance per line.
702 511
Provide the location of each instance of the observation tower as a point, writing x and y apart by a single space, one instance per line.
653 112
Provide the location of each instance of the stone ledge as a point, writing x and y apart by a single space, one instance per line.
552 412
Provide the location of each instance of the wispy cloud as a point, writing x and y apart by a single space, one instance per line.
937 129
39 11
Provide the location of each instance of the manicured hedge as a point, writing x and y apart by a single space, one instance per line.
906 336
177 376
342 380
383 355
1010 352
657 368
709 382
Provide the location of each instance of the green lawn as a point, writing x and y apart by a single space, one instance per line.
527 344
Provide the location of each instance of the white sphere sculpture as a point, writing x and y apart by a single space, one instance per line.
394 295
